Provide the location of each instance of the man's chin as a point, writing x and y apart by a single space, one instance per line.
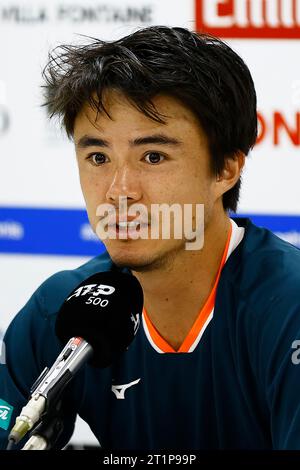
139 261
133 265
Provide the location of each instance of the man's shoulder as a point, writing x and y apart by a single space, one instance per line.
262 246
259 303
56 288
264 266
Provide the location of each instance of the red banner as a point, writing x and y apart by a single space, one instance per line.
249 18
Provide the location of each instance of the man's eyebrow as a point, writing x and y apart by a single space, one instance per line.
159 139
90 141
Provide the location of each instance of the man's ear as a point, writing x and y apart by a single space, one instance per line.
231 172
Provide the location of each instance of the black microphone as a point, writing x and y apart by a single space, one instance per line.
98 320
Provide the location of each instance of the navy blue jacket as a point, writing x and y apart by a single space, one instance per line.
238 389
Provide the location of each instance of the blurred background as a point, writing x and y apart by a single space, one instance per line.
43 223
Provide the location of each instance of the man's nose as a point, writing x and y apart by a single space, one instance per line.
125 183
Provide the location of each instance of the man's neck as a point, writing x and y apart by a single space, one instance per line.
174 295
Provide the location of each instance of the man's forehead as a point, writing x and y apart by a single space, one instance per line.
116 104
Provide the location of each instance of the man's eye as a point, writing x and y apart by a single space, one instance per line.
97 158
154 157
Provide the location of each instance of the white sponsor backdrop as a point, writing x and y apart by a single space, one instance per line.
38 163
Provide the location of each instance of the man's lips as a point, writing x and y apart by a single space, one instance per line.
112 221
136 228
130 227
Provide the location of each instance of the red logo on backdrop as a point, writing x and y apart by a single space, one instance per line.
279 128
249 18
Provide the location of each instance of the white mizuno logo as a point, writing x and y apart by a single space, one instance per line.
119 390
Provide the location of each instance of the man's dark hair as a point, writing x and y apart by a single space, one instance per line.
198 69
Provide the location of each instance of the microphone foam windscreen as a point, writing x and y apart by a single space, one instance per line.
104 310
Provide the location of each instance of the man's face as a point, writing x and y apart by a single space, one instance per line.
145 162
